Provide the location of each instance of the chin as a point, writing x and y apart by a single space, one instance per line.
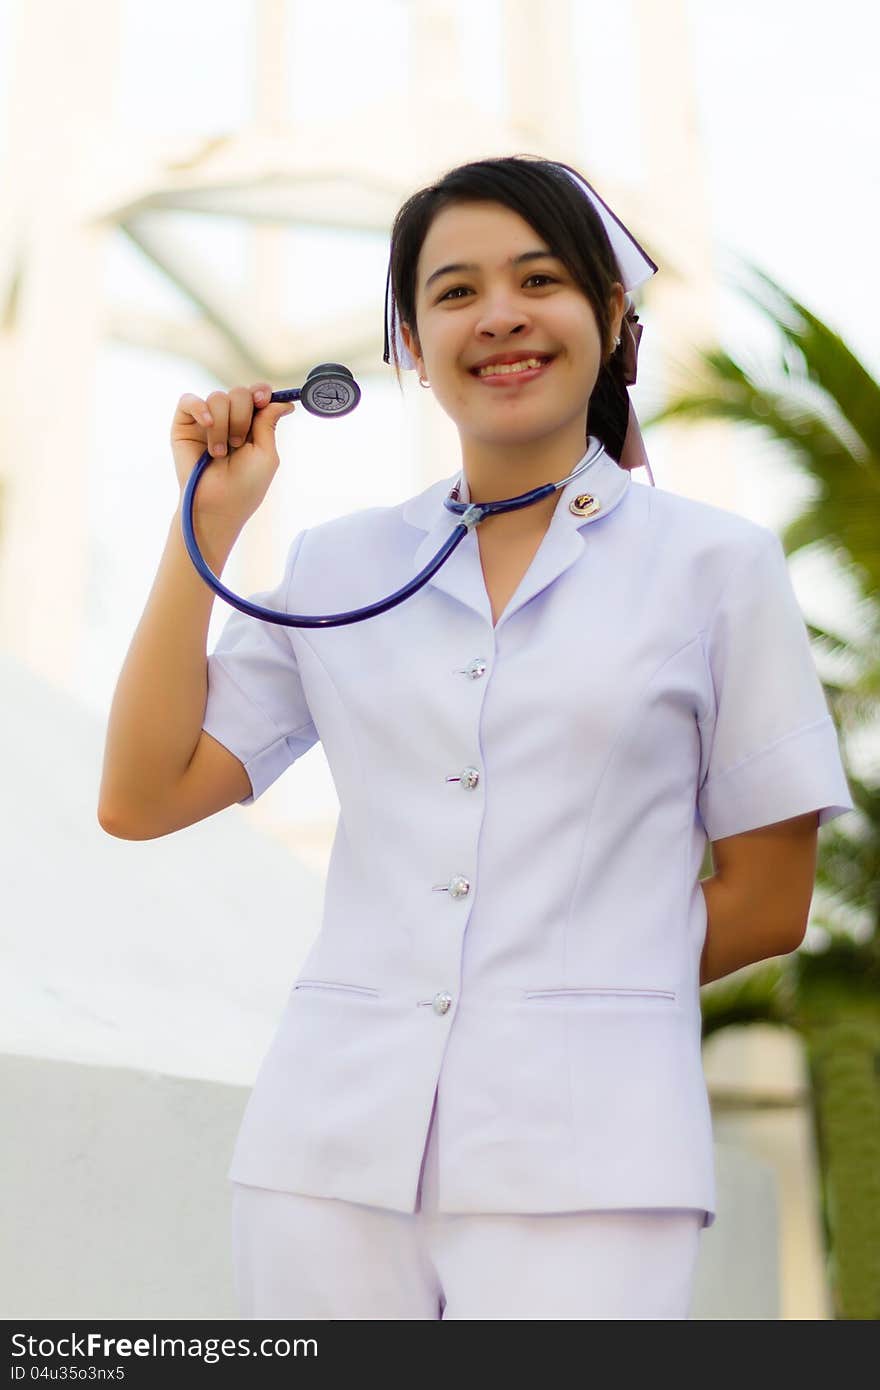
531 420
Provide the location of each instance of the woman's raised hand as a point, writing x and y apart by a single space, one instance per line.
238 427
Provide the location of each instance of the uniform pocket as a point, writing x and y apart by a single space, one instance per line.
337 985
576 991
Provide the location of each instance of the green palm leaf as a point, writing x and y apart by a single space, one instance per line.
820 405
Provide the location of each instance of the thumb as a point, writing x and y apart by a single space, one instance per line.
266 420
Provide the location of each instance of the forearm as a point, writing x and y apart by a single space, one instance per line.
738 933
157 710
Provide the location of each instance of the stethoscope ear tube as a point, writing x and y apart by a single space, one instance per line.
330 389
270 615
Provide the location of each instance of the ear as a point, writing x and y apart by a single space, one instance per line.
618 310
411 344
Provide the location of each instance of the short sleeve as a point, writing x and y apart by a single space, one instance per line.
769 745
256 706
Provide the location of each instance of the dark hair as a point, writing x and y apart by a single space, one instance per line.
544 195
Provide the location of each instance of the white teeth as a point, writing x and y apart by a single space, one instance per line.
503 368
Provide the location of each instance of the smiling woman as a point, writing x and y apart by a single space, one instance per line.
504 260
490 1061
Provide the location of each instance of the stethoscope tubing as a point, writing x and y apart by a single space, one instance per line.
471 515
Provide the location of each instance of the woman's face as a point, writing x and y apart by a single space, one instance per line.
497 307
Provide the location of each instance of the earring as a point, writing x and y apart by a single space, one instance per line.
424 383
617 342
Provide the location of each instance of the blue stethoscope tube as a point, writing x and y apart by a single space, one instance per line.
471 513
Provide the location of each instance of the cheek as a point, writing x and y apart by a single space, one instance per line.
580 333
449 349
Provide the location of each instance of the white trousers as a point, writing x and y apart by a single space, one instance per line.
296 1256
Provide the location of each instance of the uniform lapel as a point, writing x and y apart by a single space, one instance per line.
461 576
601 486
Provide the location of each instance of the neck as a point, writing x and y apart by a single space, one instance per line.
497 471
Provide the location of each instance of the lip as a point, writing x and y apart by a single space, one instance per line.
513 378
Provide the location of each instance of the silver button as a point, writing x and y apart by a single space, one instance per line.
474 669
440 1003
457 887
468 777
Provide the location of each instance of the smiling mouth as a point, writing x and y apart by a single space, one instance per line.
527 369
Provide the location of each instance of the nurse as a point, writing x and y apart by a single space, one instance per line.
485 1096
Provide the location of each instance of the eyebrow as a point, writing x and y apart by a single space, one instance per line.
514 260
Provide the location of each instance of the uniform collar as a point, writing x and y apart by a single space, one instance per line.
605 482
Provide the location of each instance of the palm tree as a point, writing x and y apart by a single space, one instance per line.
821 404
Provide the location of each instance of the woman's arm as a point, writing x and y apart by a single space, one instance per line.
156 715
758 899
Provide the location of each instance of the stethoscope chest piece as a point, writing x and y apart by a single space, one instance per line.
330 389
584 505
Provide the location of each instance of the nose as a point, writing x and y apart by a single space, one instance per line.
501 318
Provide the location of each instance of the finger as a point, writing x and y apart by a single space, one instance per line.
218 433
241 410
266 422
261 391
191 407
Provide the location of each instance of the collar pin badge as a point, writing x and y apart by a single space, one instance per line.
584 505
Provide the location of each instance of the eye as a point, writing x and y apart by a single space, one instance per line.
536 276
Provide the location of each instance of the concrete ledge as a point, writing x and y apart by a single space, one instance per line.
115 1202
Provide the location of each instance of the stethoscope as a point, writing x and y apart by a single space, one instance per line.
330 389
